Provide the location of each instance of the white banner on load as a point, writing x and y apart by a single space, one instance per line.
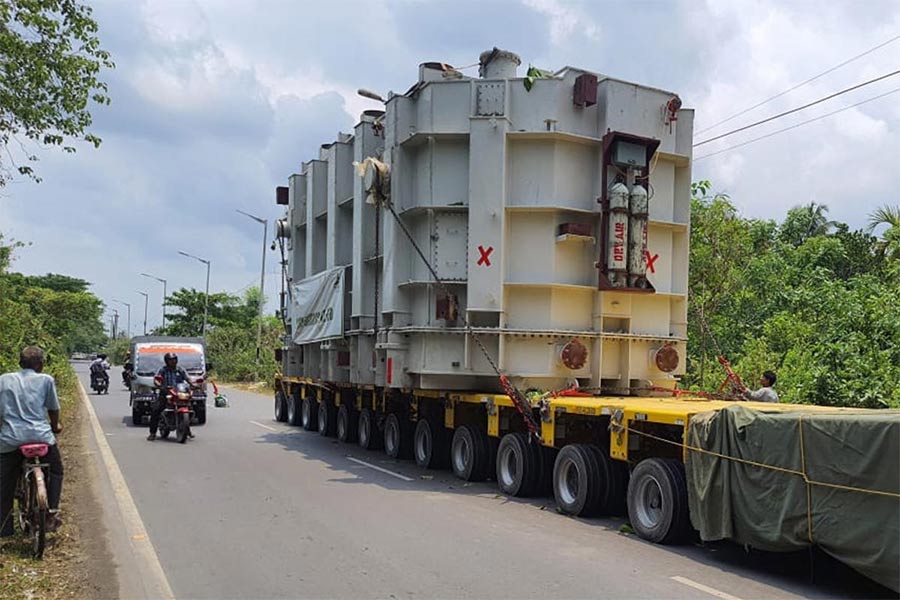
318 307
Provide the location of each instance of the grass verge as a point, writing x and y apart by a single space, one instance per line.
60 574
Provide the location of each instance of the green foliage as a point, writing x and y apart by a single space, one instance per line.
532 75
50 63
231 340
807 298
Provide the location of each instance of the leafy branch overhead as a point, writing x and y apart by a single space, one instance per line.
50 64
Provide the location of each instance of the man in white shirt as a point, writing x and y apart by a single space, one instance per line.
765 393
29 414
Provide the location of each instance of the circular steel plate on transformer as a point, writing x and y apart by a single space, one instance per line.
574 355
666 359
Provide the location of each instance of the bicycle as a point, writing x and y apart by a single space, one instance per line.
31 497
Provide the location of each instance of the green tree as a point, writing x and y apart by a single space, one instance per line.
224 310
804 222
50 64
889 243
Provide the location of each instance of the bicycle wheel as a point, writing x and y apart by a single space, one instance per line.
38 510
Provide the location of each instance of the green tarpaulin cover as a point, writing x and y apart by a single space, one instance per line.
775 510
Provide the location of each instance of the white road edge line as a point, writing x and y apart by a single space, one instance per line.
379 469
153 578
264 426
704 588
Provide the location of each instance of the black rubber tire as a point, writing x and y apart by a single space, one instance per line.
578 483
397 437
430 447
184 427
327 418
294 409
519 465
201 416
369 437
309 414
39 534
471 458
280 407
347 424
137 416
615 473
658 501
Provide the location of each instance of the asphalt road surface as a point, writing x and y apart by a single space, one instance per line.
252 508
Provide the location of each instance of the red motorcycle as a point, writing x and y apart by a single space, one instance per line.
177 414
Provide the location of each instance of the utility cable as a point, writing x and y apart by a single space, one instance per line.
796 125
799 108
799 85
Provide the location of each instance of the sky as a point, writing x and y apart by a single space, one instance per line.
216 102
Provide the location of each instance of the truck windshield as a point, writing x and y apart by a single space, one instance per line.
148 363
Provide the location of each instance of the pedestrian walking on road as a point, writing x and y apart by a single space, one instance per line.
29 414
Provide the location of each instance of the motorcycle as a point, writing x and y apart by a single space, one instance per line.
100 383
127 375
177 414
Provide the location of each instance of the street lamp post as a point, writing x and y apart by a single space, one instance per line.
206 296
146 299
127 305
163 281
262 284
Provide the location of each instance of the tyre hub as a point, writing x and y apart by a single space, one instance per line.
462 455
508 467
569 482
650 505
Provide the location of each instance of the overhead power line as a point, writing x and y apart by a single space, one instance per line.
801 84
796 125
799 108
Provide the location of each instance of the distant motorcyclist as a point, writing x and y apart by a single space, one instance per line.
127 370
167 377
99 368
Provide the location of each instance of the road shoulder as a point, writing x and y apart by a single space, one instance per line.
138 570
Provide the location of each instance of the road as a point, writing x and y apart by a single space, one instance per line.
252 508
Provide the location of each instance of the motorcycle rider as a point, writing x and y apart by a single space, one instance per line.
167 377
127 370
99 367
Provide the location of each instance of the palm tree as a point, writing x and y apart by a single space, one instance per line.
889 244
804 222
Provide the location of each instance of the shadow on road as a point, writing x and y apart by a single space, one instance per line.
795 571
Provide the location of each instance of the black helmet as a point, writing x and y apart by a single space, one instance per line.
170 356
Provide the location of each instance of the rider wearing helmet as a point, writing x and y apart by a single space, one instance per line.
98 369
167 377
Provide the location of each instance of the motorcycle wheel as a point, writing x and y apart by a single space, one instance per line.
184 427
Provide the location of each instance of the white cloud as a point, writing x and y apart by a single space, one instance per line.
566 18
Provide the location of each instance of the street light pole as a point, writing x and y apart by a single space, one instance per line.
206 296
262 284
163 281
129 316
146 299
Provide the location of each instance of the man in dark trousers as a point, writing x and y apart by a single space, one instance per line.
29 414
167 377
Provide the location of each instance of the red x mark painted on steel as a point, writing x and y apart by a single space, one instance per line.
485 259
651 260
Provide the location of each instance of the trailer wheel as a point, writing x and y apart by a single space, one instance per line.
396 437
578 482
309 414
430 444
347 423
280 407
327 418
294 409
369 437
658 501
519 465
615 475
470 454
137 415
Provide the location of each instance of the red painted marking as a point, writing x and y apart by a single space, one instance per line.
390 368
651 260
485 258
